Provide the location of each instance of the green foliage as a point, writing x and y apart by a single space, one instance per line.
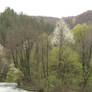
41 62
14 75
79 31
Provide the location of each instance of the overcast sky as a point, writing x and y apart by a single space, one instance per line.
54 8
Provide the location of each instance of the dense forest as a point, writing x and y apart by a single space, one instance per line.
44 56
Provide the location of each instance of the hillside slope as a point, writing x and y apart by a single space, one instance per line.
52 20
85 17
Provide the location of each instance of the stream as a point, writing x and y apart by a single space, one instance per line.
10 87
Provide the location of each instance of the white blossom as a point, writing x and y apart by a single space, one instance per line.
62 30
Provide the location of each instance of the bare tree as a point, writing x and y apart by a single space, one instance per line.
20 42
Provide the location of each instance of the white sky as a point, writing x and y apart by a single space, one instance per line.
54 8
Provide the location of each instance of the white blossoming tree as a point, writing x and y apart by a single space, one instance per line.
62 34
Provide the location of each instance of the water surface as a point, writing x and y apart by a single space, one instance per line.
10 87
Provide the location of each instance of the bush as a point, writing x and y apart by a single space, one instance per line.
14 74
